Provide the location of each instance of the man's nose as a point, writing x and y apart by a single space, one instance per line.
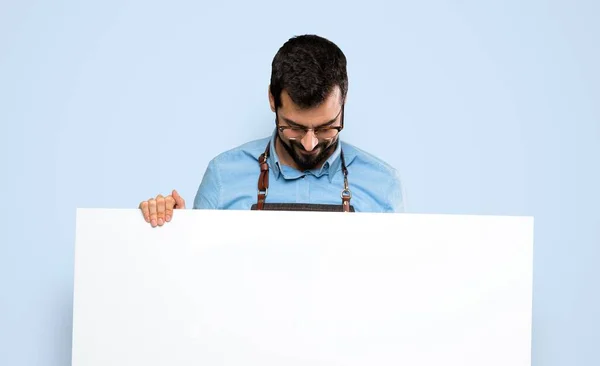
309 141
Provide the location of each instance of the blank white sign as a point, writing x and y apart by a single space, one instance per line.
302 288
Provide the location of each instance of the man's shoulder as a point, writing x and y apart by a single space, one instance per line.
383 179
249 151
363 158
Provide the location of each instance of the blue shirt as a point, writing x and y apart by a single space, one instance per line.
231 180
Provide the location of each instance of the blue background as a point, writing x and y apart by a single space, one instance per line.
486 107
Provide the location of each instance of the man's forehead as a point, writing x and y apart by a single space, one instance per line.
324 113
309 118
333 101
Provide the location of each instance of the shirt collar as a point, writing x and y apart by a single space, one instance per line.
331 166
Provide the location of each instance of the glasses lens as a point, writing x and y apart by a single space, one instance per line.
326 133
294 133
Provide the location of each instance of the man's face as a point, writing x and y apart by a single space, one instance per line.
310 150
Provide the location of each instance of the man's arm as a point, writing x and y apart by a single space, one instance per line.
209 191
397 194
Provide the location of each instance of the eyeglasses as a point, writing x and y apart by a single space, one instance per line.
321 133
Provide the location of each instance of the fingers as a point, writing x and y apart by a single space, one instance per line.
157 211
169 205
179 201
153 214
160 209
144 206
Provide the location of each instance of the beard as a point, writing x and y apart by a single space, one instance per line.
305 160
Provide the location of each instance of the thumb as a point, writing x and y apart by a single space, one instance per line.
179 201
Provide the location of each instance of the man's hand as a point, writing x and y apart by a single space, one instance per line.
159 210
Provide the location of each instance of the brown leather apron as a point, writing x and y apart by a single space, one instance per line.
263 189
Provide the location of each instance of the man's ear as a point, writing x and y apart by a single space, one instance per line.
271 100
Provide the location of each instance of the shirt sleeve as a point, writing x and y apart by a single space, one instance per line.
397 194
209 191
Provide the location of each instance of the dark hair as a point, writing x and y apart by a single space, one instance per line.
308 67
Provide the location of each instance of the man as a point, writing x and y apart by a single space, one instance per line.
303 165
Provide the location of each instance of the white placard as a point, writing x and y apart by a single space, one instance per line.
302 288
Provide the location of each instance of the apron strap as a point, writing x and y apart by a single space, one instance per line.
263 179
346 194
263 182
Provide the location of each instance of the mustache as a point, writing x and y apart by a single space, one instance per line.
300 147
